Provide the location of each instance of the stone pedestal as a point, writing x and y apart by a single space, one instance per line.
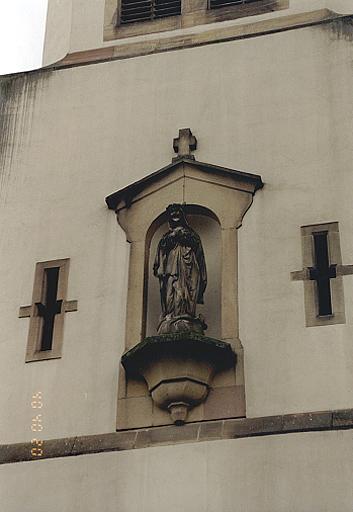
178 368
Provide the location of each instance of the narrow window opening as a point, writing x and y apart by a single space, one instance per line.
47 310
50 308
322 273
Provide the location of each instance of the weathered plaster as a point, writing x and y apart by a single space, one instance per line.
17 96
340 28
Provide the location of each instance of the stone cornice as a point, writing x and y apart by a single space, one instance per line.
128 193
190 433
155 43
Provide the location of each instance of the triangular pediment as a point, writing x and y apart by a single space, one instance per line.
125 196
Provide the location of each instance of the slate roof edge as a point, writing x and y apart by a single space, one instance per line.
112 200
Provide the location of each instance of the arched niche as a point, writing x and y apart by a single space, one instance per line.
216 200
206 224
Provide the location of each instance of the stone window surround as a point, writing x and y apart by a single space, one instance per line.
335 258
193 13
33 352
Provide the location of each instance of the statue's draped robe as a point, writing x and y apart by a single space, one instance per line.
180 267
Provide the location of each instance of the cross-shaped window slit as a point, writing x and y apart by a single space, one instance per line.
47 311
50 308
322 273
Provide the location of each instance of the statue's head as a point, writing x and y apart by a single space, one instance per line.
176 215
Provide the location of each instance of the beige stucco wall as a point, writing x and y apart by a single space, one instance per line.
278 105
292 473
307 157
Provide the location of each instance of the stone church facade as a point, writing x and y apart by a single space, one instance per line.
242 112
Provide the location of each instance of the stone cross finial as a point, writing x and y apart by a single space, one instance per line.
184 144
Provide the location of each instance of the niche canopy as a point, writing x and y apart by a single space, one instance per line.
223 194
178 175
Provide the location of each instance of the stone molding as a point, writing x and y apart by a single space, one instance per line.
241 180
341 419
147 46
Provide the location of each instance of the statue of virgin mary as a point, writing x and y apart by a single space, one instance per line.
181 269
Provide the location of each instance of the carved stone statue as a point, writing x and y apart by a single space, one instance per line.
181 269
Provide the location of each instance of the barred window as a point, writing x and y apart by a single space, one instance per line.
141 10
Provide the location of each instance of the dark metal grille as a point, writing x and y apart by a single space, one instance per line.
142 10
214 4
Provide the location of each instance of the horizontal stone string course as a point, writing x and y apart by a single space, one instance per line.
189 433
126 49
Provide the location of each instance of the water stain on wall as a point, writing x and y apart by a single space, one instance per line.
18 96
341 28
